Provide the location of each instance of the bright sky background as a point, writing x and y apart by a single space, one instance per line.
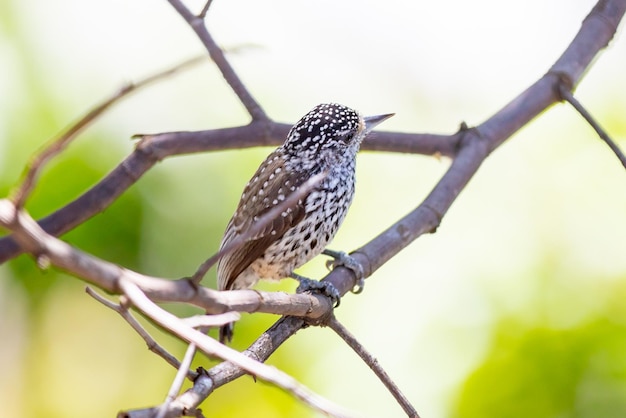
442 53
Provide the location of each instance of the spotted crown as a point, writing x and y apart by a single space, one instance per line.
329 125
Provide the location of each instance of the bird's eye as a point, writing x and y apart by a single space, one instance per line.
345 135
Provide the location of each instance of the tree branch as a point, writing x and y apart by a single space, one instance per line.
31 237
469 147
212 347
569 97
107 276
154 148
474 146
33 168
178 381
217 55
153 346
374 365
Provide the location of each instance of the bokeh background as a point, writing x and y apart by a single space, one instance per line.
515 307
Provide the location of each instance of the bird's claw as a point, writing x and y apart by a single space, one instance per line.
342 259
324 288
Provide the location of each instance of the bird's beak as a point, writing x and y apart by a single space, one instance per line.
372 121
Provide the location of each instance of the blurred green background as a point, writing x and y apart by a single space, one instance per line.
513 308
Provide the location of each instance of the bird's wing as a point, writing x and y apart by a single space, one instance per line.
274 181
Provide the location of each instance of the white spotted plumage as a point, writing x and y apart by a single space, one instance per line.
326 139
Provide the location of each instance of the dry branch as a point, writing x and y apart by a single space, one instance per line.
40 244
107 276
474 146
217 55
122 309
213 348
57 145
154 148
373 364
469 148
568 96
178 381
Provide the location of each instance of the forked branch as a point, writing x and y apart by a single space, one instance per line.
469 148
43 245
568 96
474 145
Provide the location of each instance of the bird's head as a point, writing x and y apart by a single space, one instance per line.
330 130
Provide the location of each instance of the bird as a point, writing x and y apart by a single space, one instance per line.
325 140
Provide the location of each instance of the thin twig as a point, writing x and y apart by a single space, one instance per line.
111 305
36 241
473 146
217 55
373 364
178 381
205 9
212 321
154 148
595 32
212 347
106 275
568 96
153 346
37 162
258 226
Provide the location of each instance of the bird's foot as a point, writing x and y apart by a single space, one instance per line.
342 259
324 288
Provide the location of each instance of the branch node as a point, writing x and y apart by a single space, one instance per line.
467 135
192 282
205 9
602 12
564 85
438 215
261 299
323 320
201 371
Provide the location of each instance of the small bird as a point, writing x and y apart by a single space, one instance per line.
325 140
